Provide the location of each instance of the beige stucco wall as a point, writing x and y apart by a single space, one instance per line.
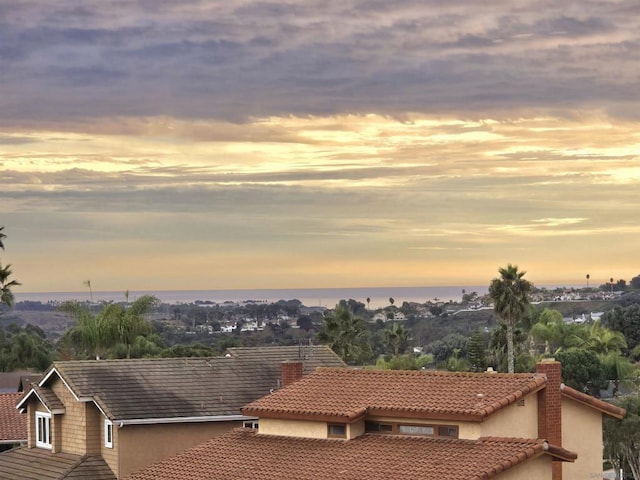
538 468
292 428
582 433
512 421
142 445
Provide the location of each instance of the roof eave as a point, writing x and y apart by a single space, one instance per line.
199 419
592 402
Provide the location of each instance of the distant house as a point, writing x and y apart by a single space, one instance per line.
380 424
118 416
13 426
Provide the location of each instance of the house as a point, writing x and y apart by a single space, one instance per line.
383 424
126 414
13 426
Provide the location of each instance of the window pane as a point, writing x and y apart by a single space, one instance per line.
415 430
338 430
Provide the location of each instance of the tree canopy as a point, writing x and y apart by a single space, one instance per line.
6 283
509 293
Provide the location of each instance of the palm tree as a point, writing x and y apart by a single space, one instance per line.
510 293
396 336
346 335
6 295
96 335
588 277
368 302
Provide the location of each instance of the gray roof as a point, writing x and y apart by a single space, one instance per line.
29 463
173 388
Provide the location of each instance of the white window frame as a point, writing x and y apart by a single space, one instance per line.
43 430
108 433
250 424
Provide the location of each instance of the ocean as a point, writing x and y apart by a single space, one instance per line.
310 297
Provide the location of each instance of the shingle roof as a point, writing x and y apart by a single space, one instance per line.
31 463
49 399
313 356
172 388
13 425
604 407
241 454
349 393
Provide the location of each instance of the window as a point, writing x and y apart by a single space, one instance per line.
447 431
337 430
251 424
108 434
416 429
43 430
370 427
450 431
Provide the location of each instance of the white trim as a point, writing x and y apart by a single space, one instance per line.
212 418
108 433
55 411
46 432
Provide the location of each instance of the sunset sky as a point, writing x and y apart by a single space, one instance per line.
192 144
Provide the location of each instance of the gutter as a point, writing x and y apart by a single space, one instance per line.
201 419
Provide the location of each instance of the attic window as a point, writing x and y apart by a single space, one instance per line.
108 434
336 430
251 424
416 429
43 430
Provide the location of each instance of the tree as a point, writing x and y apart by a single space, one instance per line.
98 335
510 293
625 320
396 337
635 282
622 437
583 370
476 352
6 284
588 277
346 334
24 348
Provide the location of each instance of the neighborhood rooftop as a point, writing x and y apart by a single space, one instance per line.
178 388
348 393
245 455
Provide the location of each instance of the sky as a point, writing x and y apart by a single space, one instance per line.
238 144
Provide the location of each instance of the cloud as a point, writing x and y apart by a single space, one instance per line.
238 60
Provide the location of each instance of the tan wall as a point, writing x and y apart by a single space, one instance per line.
31 423
110 455
142 445
292 428
513 421
355 429
538 468
73 422
582 433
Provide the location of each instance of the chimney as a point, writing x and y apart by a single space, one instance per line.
291 372
550 408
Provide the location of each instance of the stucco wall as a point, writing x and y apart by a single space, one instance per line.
513 421
142 445
293 428
582 433
538 468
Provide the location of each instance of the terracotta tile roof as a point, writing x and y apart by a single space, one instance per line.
349 393
31 463
241 454
171 388
13 425
604 407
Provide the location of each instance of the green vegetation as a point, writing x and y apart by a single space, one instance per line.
622 437
6 283
510 295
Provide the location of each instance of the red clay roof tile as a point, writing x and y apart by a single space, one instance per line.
346 393
242 454
604 407
13 425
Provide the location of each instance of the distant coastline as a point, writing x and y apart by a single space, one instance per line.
310 297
